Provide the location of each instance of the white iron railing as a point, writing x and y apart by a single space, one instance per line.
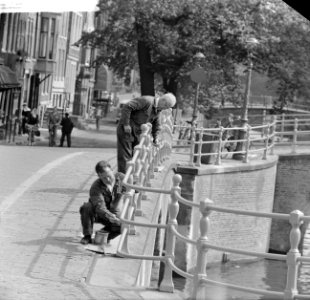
291 130
258 140
146 159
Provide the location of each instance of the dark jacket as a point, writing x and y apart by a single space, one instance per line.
139 111
67 125
31 120
105 203
25 113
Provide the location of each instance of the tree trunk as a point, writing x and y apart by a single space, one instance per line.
170 85
146 73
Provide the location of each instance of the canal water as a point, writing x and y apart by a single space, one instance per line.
260 274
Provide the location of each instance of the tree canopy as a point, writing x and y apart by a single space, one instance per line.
161 37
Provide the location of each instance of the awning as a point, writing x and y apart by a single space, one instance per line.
8 78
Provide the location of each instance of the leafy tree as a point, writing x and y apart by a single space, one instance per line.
161 37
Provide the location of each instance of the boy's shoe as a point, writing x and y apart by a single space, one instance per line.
86 240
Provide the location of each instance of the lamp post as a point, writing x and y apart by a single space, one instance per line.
244 117
197 75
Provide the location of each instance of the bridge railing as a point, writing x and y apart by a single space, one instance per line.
146 160
293 130
197 143
210 142
293 258
199 277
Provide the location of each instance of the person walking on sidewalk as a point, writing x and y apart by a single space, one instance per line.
66 130
32 124
103 205
134 113
98 117
25 114
53 122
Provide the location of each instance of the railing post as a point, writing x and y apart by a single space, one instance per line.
266 142
201 262
219 149
273 133
294 144
128 195
264 122
247 144
282 126
199 148
137 180
192 151
292 256
166 284
132 229
125 243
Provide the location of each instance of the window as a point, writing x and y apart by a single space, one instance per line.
20 43
52 38
8 36
43 37
29 47
63 63
14 32
58 65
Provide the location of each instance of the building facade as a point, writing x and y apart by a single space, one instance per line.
40 63
85 79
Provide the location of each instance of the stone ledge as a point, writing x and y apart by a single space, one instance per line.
230 166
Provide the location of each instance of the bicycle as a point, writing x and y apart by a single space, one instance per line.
186 133
228 146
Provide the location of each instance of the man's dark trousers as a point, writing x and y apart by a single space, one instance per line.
88 219
126 143
62 139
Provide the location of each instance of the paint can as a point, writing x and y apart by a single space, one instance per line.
101 237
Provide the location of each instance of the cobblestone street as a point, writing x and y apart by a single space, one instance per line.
41 257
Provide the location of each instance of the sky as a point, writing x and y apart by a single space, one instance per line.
47 5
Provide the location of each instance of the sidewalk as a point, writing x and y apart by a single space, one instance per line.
91 138
41 257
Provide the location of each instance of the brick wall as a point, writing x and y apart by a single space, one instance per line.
236 185
292 192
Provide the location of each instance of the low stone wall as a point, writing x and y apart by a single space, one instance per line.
292 191
234 185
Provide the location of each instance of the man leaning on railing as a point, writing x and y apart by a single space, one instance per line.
138 111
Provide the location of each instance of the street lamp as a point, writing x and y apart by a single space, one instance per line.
251 42
197 75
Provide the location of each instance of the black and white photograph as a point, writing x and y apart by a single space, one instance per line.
154 150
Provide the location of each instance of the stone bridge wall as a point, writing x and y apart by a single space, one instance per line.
292 191
233 185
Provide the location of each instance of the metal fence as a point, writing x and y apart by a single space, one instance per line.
146 160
